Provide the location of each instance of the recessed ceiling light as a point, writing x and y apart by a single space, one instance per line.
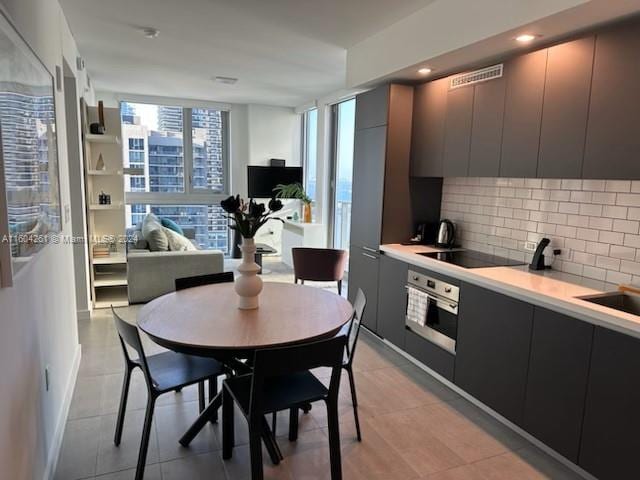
151 32
526 38
225 80
424 71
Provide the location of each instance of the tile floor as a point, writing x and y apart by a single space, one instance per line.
413 427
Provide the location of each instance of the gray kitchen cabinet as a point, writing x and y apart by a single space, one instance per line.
565 109
613 130
372 108
363 274
486 130
492 351
368 186
557 380
427 138
434 357
392 299
610 440
457 133
525 76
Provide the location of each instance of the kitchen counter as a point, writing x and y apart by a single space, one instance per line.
555 291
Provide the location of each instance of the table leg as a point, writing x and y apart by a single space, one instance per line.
207 414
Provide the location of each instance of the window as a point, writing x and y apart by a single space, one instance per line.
182 176
310 150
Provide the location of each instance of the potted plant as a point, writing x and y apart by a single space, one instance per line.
296 190
247 218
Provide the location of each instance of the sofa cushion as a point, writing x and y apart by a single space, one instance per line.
177 242
171 225
153 233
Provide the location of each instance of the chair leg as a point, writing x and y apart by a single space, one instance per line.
201 401
340 287
274 422
213 391
334 440
146 434
293 424
255 451
228 432
123 406
354 401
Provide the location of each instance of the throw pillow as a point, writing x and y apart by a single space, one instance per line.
177 242
171 225
154 234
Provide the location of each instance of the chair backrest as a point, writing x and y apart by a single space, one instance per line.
359 305
319 264
129 335
210 279
277 362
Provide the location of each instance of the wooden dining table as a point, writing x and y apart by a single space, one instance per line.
206 321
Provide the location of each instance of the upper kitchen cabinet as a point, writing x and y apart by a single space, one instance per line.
486 138
565 109
525 76
372 108
613 130
457 132
427 138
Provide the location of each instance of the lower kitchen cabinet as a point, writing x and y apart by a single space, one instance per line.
434 357
363 274
492 352
610 438
557 380
392 299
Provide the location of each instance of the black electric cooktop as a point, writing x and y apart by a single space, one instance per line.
472 259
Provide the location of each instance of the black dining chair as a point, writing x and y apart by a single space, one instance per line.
353 332
197 281
163 372
282 380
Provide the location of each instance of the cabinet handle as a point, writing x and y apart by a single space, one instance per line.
369 256
372 250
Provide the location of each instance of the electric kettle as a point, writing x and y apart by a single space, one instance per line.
446 234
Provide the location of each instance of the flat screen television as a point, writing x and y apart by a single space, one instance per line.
262 180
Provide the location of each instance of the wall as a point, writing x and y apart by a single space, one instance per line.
596 223
38 313
274 132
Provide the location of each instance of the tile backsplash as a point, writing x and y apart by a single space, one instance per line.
596 223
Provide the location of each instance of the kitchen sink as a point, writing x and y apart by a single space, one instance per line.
617 300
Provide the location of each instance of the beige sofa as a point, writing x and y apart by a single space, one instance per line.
151 274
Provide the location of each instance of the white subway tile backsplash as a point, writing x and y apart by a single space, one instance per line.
626 226
628 199
612 211
571 184
594 185
624 253
596 223
623 186
611 238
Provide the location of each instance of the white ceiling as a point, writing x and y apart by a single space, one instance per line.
284 52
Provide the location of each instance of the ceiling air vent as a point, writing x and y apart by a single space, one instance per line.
477 76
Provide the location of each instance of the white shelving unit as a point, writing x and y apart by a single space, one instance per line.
108 274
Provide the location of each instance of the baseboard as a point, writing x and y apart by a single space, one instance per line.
527 436
84 315
56 441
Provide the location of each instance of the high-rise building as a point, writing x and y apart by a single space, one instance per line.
26 118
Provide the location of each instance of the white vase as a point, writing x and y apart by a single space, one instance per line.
248 284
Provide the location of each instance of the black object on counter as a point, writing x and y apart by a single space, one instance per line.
537 263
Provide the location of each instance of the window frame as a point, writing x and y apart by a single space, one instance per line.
190 195
305 149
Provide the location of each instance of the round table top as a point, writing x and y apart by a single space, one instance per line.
206 319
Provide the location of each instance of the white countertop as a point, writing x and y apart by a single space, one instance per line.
556 291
